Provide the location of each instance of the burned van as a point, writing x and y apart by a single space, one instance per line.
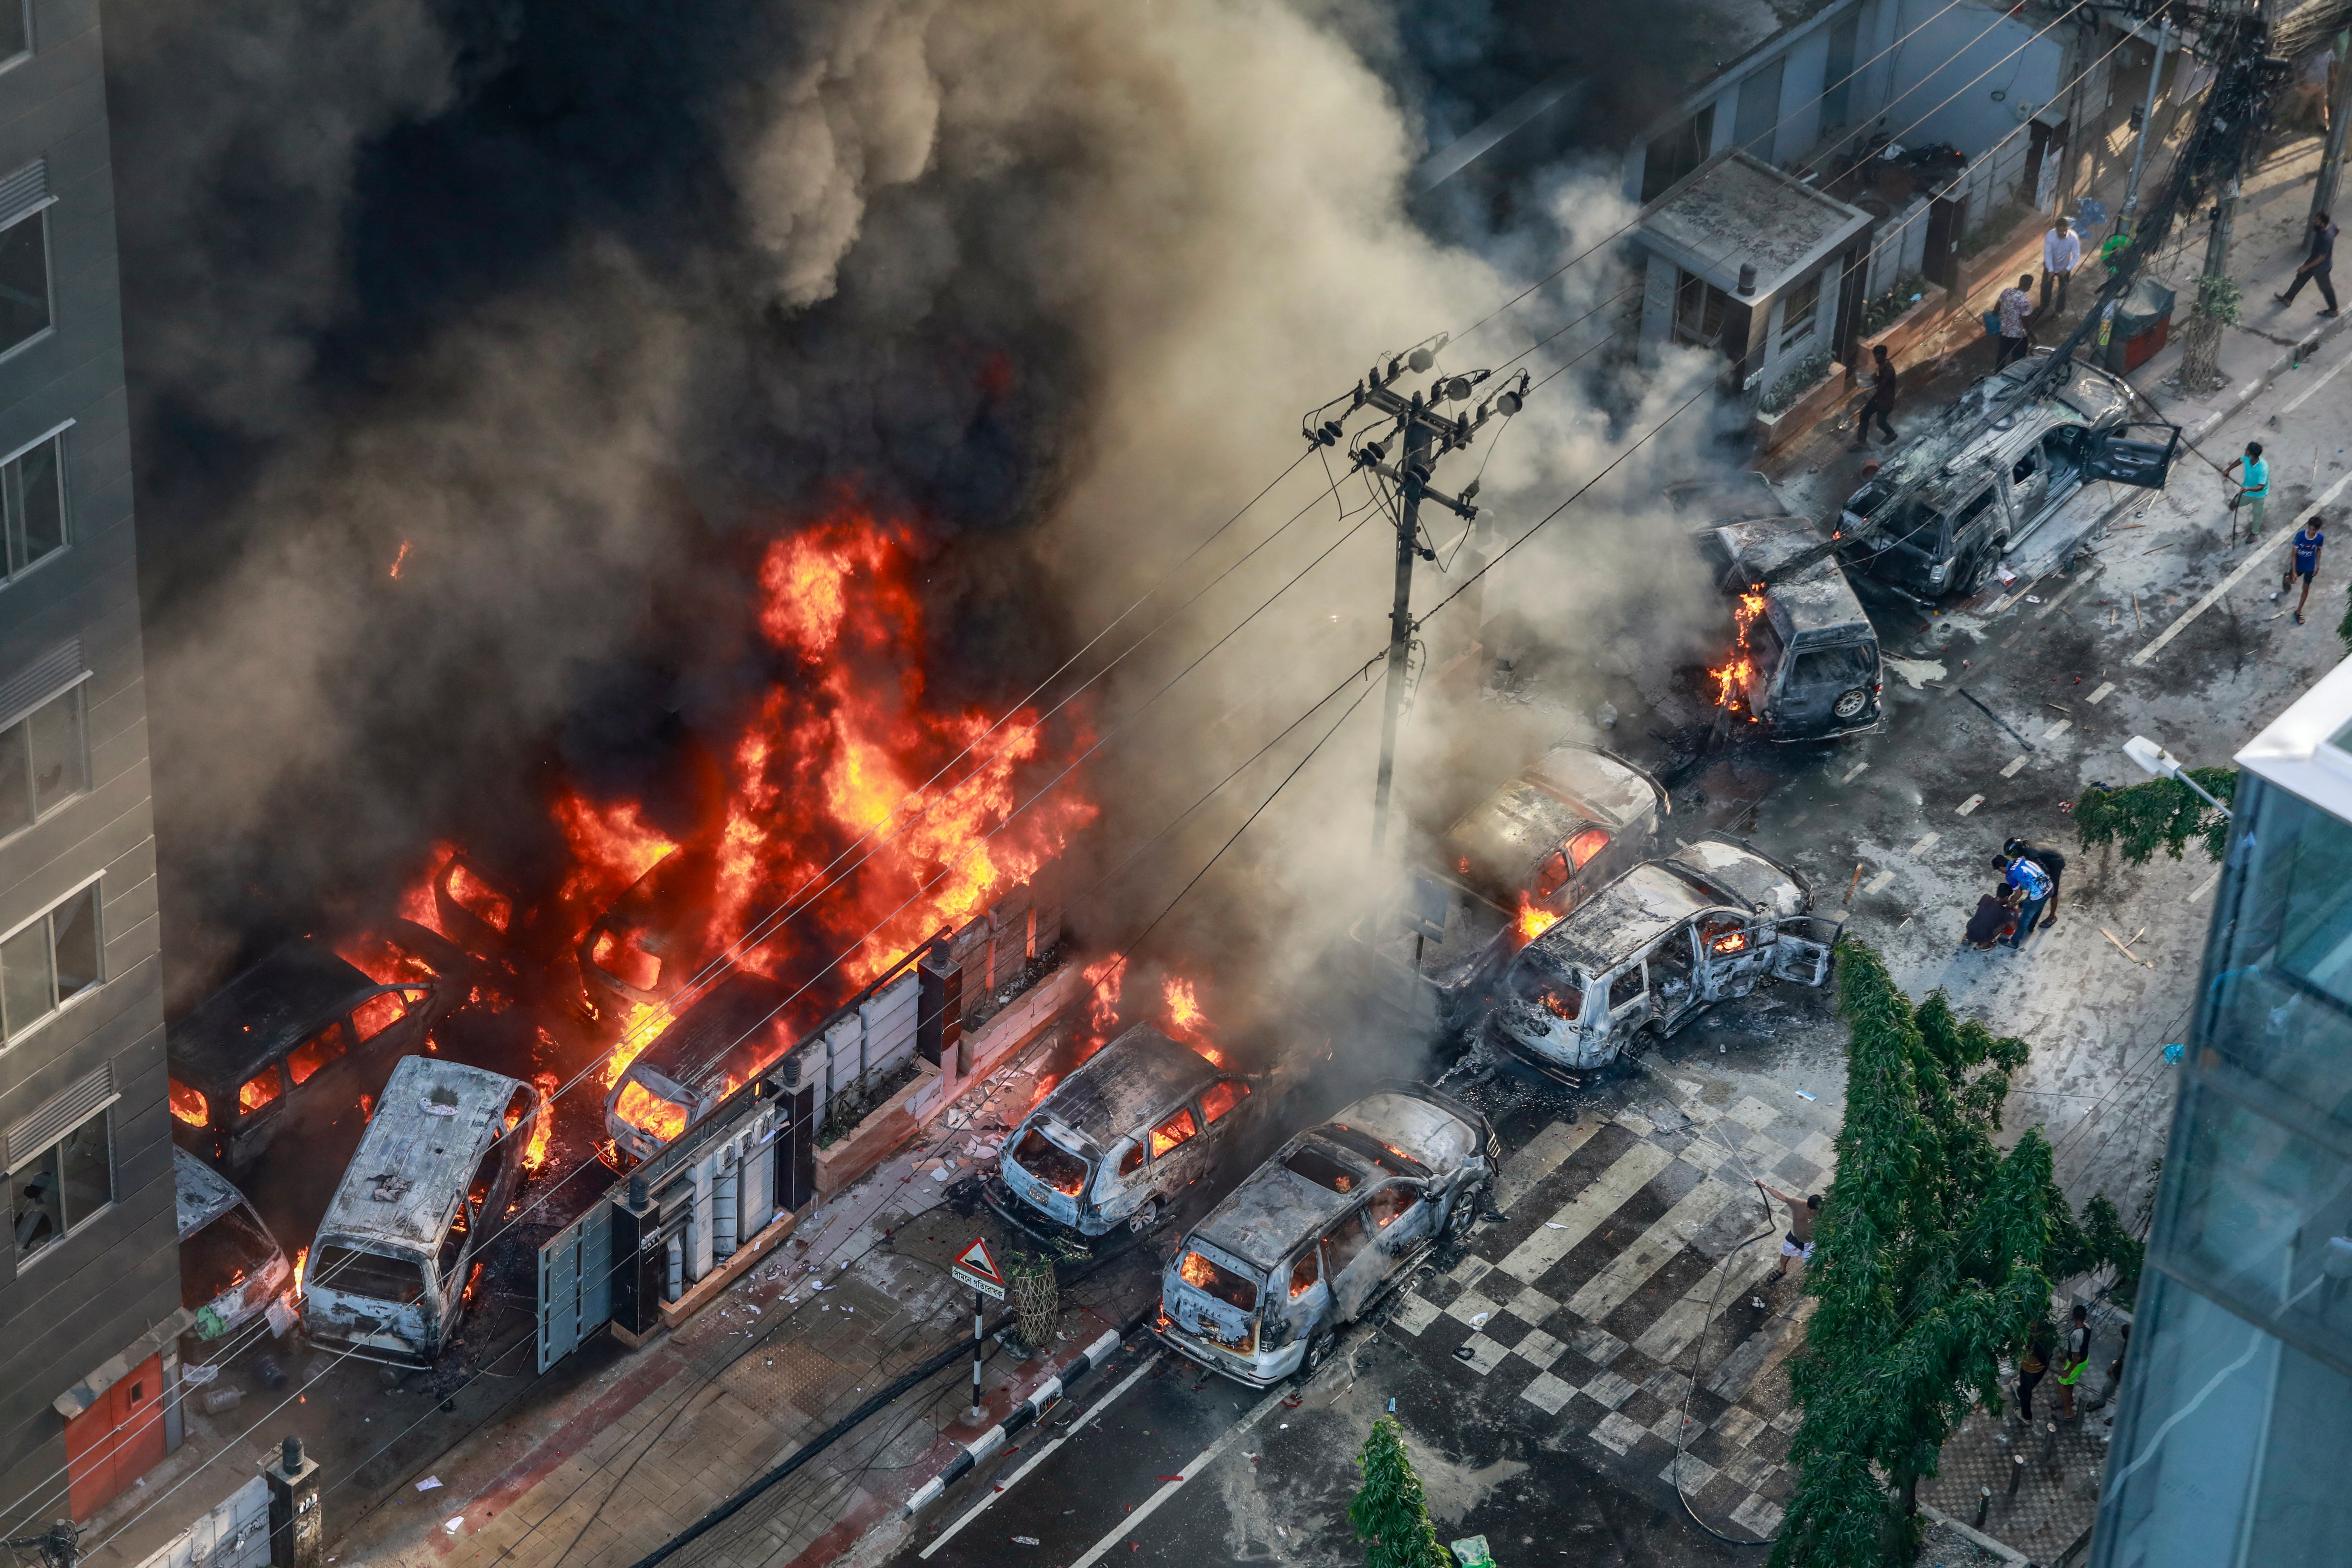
1651 951
1967 499
301 1038
726 1038
440 1163
1319 1232
1806 666
231 1268
1117 1144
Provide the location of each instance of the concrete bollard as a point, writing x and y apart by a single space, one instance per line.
1984 1504
2016 1472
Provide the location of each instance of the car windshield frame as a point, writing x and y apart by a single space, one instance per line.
1216 1281
1309 1163
1034 1160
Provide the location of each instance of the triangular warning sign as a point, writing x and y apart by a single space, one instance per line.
976 1260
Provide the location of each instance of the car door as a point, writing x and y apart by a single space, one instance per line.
1402 1214
1352 1267
1224 1106
1801 948
1177 1152
260 1113
1731 956
1629 1005
2029 483
2143 461
1673 975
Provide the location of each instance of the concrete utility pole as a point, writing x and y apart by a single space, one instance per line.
2146 129
2331 160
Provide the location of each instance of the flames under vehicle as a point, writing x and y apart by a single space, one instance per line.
1337 1219
438 1169
1119 1141
231 1268
1654 949
719 1043
1976 501
298 1040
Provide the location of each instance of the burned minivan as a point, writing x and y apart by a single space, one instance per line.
1807 667
1116 1144
729 1036
1319 1232
231 1268
301 1037
441 1161
1651 951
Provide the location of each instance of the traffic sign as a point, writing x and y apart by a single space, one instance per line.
974 1267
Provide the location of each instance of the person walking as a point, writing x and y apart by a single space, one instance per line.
2317 266
1882 398
2051 862
2308 541
1799 1242
2014 308
1996 918
2030 879
2032 1368
2072 1359
2062 252
2254 488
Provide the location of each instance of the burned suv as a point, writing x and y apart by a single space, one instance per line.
1651 951
1334 1221
1118 1140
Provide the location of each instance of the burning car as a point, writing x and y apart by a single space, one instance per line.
302 1034
440 1163
728 1035
1118 1140
1520 858
1970 502
1336 1219
1654 949
231 1268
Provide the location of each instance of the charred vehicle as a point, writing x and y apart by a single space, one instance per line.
728 1035
1319 1232
1117 1143
1971 501
300 1038
1654 949
1807 667
440 1163
231 1268
1527 853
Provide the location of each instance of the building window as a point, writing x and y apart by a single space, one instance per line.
1759 110
1800 309
61 1186
33 499
1700 310
1670 155
44 760
1837 99
16 30
24 276
48 963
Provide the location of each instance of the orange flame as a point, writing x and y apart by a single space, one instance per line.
612 847
189 1104
294 1292
400 560
1104 978
1186 1021
1534 919
1732 678
534 1154
649 1113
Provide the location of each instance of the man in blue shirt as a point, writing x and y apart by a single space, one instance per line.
2304 563
2316 266
2254 490
2027 878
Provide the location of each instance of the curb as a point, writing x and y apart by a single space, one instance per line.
2303 348
1021 1416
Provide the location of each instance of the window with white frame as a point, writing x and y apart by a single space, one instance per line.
24 202
44 760
1801 308
33 501
61 1185
48 963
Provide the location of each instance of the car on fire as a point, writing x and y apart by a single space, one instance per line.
1651 951
1337 1219
1533 849
1968 502
300 1039
438 1169
231 1268
1117 1144
725 1038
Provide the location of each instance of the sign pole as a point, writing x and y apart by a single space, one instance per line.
978 1308
976 1267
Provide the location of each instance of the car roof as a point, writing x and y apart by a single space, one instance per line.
727 1029
1764 884
1628 915
1132 1078
261 1014
405 1183
1605 787
1951 470
1497 845
204 1194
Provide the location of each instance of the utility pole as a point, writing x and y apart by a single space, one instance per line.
1415 473
2331 160
2147 128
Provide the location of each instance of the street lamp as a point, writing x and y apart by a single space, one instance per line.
2154 759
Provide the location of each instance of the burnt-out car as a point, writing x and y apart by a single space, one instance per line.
727 1037
1337 1219
1530 852
439 1165
231 1268
1651 951
299 1039
1117 1144
1810 671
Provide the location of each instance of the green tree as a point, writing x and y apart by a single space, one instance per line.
1937 1252
2162 814
2343 627
1389 1512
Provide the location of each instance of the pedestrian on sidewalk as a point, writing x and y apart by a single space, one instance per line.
2116 1369
2303 564
2032 1368
1799 1242
2317 266
2062 252
2254 490
2078 1356
2051 862
1996 918
1882 398
2030 879
2014 308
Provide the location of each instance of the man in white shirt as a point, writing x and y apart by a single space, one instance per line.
2062 252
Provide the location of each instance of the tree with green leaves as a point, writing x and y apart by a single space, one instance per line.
2162 814
1390 1513
1937 1252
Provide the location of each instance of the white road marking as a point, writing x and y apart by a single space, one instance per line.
1583 1213
1878 884
1664 1241
1969 805
1038 1457
2107 687
2254 558
2206 885
1544 1153
1854 773
2335 370
2058 601
2058 729
2009 771
1200 1461
1927 841
1679 1324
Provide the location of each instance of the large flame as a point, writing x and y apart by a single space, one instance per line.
1186 1021
1104 979
1731 678
1534 919
294 1292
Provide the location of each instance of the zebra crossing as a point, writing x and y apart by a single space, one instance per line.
1590 1300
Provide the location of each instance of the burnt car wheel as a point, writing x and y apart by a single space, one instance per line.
1318 1351
1849 705
1146 1216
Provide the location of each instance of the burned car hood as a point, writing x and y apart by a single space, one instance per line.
1764 884
1135 1076
1417 1128
202 1194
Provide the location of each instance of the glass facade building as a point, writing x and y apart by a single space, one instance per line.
2233 1443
